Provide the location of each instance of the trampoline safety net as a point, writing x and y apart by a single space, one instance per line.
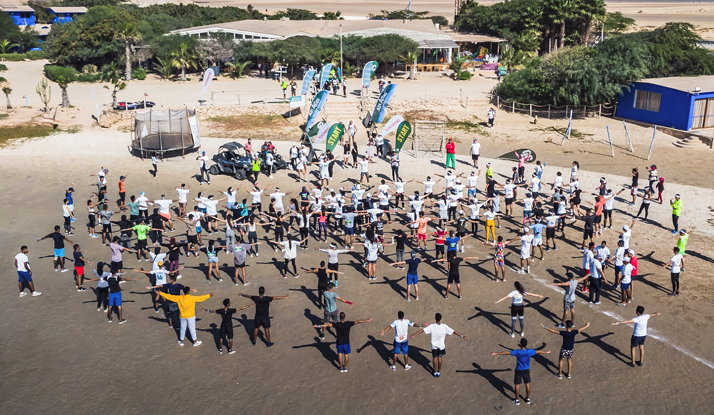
165 131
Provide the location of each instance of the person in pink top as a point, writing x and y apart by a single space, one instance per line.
450 153
248 147
633 261
522 159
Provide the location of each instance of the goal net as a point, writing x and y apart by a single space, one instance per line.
429 138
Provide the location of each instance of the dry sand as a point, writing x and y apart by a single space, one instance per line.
60 356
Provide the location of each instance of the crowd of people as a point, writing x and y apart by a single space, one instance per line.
417 217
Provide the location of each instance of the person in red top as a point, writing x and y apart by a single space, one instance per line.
633 262
440 240
450 153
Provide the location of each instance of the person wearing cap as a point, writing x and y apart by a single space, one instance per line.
489 172
682 239
676 206
652 177
660 189
203 166
475 152
450 154
333 263
639 334
122 193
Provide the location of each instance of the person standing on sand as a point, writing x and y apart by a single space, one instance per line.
492 112
226 329
569 299
24 273
331 314
187 311
450 153
475 152
262 313
203 166
516 297
677 263
342 328
58 240
438 333
401 343
566 350
639 334
412 274
523 368
676 205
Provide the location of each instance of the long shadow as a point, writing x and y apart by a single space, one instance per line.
544 361
277 263
641 278
394 285
700 256
310 294
215 332
490 376
491 317
538 306
385 352
650 259
245 322
434 284
605 347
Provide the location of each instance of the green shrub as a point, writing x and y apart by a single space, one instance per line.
138 73
464 75
13 57
89 77
89 68
54 72
35 55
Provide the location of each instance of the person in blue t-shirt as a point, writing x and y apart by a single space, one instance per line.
452 244
523 368
537 238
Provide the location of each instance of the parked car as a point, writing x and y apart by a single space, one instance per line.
121 106
229 161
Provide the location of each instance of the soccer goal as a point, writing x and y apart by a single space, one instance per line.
429 138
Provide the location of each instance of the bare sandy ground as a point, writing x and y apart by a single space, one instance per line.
59 355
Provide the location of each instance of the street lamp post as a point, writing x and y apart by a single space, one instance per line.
341 73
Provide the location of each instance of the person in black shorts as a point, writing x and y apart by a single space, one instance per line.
226 330
262 313
588 228
323 280
453 277
566 351
523 368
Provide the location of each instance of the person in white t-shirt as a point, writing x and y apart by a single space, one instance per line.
438 333
429 186
364 170
517 297
626 234
143 202
203 165
677 263
639 335
526 240
535 186
608 207
24 273
626 280
401 343
211 213
475 152
278 196
165 209
182 192
290 249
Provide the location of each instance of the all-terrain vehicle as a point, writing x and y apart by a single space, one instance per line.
230 161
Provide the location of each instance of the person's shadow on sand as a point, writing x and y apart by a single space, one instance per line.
384 350
490 376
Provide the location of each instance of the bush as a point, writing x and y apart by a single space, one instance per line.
138 73
464 75
13 57
89 68
54 72
35 55
89 78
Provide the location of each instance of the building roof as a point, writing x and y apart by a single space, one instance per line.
476 38
421 31
67 9
684 83
9 9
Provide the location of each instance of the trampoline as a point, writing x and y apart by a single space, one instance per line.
166 133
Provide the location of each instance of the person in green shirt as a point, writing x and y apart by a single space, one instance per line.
133 208
676 206
682 240
284 86
141 229
256 167
489 171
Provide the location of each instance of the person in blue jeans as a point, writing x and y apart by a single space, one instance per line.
342 328
523 368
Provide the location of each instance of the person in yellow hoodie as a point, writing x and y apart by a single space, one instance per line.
187 311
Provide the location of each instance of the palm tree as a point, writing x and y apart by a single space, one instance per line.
183 58
110 73
592 10
5 46
349 69
560 12
63 82
511 57
164 68
129 34
237 68
411 57
7 91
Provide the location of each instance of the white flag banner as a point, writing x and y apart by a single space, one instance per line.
207 78
321 134
391 125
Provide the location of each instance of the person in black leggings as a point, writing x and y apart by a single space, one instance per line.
323 280
102 286
646 199
394 162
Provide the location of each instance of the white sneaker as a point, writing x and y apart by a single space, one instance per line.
257 254
22 294
407 367
36 293
180 343
197 343
392 367
64 270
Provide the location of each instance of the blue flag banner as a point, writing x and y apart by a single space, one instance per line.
325 74
307 80
380 109
317 103
367 72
